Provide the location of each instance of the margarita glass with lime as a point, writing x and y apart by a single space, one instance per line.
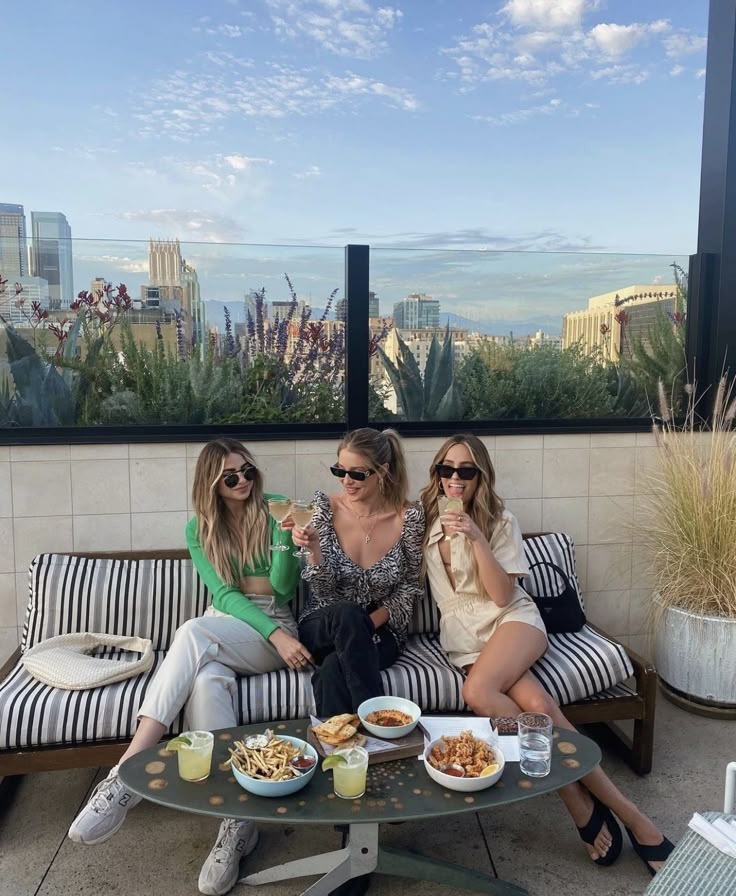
194 749
349 777
450 505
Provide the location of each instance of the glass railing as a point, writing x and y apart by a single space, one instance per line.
132 333
503 336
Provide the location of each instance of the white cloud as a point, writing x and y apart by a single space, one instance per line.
123 264
615 40
188 224
677 70
700 73
545 13
622 74
519 116
683 44
312 172
243 163
353 28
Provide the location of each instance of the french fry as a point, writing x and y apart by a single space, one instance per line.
269 763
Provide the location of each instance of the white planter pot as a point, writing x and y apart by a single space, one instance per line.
696 655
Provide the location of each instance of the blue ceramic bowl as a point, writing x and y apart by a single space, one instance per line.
279 788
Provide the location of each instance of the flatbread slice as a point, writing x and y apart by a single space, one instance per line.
334 724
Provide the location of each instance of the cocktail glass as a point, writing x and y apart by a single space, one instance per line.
279 510
302 513
449 505
195 760
349 777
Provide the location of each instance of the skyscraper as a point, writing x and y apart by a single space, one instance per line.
164 263
13 248
51 255
417 311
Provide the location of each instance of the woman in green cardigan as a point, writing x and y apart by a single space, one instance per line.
248 629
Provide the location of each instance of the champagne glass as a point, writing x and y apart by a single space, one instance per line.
449 505
279 509
302 513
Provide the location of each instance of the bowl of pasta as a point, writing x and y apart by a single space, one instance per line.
465 763
266 765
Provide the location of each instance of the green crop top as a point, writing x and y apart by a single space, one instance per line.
281 569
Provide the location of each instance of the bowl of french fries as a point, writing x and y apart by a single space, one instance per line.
464 762
268 765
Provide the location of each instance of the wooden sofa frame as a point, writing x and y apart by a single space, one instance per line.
603 713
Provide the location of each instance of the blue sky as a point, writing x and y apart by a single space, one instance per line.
561 125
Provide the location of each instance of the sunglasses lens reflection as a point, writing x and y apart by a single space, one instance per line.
445 471
357 475
232 479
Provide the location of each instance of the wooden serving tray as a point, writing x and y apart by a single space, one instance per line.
403 747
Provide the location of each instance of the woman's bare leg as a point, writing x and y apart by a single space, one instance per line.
148 734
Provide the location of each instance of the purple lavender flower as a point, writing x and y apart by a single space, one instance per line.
229 340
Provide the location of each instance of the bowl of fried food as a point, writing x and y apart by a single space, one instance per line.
465 763
389 717
266 765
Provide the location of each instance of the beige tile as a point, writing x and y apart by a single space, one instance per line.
646 439
567 440
609 567
279 474
313 472
519 473
528 512
612 471
22 596
520 443
194 448
9 640
609 610
7 556
422 444
490 443
581 565
158 485
644 507
4 453
40 535
318 446
41 488
610 519
271 448
152 531
641 567
566 472
100 487
6 491
419 463
569 515
8 608
612 439
153 449
640 611
102 532
647 465
642 644
39 452
191 466
99 452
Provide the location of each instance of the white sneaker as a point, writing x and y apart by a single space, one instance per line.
105 812
220 871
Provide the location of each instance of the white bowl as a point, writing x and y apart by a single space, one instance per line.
388 702
464 785
279 788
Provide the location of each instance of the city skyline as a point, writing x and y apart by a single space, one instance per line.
509 125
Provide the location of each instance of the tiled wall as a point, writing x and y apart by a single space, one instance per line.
123 497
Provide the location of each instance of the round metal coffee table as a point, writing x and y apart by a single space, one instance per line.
396 791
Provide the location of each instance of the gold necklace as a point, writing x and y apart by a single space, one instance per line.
359 518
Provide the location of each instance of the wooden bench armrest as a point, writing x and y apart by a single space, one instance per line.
9 664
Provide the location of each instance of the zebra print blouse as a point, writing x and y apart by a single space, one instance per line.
392 582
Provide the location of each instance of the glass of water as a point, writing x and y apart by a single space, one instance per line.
535 743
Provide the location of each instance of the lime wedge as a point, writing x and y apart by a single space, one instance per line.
177 742
332 760
489 770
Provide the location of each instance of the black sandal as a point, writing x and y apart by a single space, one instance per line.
602 815
647 854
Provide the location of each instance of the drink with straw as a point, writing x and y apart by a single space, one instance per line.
279 509
302 513
450 505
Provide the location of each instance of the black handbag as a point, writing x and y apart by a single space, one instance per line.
560 612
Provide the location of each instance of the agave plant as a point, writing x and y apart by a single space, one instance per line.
438 395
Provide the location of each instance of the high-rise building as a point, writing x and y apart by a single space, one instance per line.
51 256
13 248
341 308
417 312
16 308
193 300
164 262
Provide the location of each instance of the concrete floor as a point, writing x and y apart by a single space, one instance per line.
532 844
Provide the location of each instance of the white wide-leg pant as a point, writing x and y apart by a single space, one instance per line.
203 661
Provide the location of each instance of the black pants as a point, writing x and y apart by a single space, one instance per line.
341 639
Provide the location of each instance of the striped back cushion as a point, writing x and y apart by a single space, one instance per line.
147 598
555 548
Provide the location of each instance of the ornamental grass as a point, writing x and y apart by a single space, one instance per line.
690 522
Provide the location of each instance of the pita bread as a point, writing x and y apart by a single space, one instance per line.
337 729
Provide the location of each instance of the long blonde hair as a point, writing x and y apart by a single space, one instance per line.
485 507
382 447
223 538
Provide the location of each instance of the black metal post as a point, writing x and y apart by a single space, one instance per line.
357 361
712 301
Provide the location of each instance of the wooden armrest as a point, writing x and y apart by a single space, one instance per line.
9 664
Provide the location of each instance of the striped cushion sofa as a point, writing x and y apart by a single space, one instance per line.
150 594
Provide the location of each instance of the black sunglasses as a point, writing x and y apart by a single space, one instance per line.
247 471
357 475
445 471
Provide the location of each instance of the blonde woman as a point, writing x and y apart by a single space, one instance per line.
492 630
366 544
248 629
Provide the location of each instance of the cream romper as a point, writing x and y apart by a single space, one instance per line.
469 616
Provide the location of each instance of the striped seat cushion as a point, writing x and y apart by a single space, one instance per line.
147 598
